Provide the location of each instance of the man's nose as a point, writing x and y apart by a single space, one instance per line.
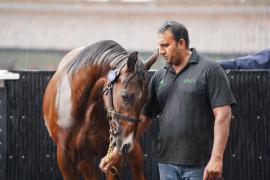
161 51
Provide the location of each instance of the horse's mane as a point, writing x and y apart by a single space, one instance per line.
104 53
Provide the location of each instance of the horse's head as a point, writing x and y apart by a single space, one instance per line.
124 97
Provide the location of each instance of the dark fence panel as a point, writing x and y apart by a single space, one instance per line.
30 153
247 155
3 128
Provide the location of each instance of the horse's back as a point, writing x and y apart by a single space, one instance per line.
67 58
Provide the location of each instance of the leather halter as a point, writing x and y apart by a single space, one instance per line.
113 115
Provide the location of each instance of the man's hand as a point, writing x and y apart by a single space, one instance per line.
105 164
213 169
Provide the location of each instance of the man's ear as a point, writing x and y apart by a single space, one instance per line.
182 44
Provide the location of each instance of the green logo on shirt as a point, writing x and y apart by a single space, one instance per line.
189 81
161 83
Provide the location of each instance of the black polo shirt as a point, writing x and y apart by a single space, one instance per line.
183 102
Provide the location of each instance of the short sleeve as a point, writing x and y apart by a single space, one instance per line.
149 107
218 88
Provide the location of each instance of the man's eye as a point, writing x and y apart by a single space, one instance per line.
164 45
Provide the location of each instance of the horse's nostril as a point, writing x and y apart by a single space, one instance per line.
125 148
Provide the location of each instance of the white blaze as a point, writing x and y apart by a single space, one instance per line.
129 140
63 104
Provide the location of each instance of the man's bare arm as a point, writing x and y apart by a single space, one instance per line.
221 132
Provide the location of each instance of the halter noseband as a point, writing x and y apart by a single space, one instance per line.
113 115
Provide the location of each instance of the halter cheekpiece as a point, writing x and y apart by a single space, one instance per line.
113 115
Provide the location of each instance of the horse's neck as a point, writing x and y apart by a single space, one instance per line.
86 88
96 114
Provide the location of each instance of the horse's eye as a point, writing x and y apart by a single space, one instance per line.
126 97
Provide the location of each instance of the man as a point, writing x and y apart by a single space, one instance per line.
192 99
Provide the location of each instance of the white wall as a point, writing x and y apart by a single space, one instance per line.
225 28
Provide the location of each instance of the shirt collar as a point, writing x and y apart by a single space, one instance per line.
194 58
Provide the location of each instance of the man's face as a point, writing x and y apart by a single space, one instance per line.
168 47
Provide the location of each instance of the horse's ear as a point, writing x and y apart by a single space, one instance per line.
132 59
149 62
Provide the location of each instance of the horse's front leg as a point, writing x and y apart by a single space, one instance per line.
88 169
135 161
67 166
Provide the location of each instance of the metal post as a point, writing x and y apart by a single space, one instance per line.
3 132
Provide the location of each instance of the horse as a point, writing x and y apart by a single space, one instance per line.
93 102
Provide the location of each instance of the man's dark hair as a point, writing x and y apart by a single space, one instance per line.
179 31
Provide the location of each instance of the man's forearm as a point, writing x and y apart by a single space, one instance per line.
221 131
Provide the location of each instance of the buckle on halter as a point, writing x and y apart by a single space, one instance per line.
112 75
107 88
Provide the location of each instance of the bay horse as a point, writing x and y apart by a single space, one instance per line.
92 101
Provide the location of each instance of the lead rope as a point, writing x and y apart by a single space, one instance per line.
113 169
